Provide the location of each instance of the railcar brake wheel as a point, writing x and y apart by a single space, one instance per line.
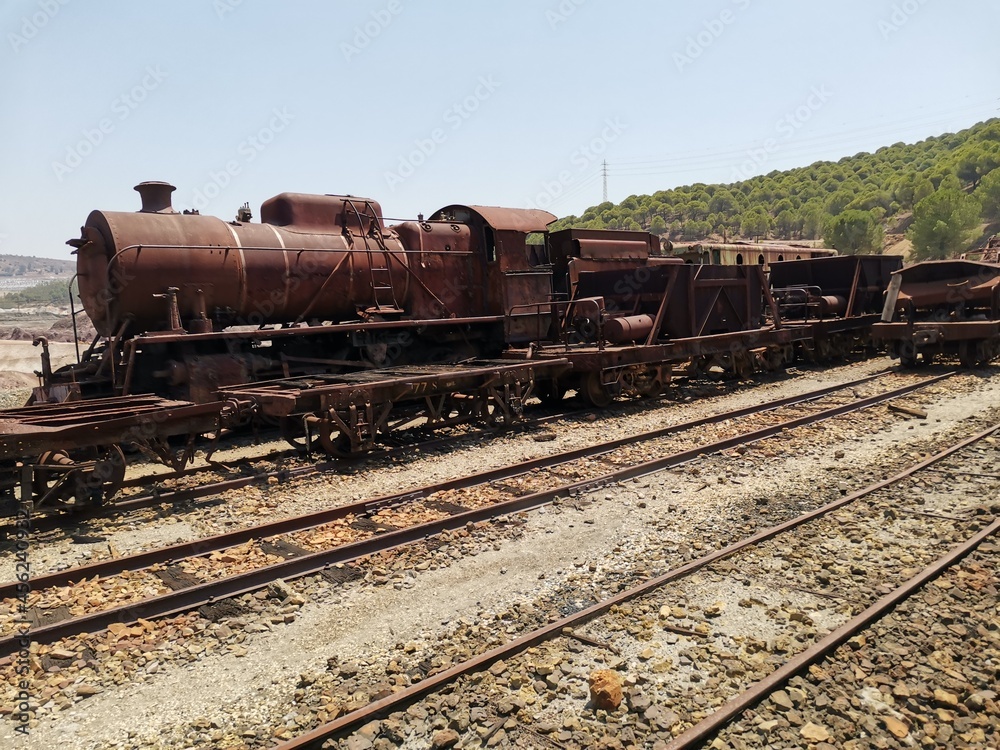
83 477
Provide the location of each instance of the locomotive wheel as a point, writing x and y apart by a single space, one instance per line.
594 392
86 477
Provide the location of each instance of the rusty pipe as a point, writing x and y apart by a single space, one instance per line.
46 360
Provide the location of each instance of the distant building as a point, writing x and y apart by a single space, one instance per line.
744 253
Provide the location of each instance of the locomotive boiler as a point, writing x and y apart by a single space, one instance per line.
237 272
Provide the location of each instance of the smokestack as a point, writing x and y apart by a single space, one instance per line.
155 197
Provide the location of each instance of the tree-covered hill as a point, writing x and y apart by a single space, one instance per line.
55 292
940 191
30 266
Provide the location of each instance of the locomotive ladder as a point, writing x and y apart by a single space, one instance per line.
379 262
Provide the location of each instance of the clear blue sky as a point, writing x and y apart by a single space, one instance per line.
421 104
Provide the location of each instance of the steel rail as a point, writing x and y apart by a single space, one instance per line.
236 537
186 599
397 701
55 521
711 724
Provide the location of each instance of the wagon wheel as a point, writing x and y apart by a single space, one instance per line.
907 356
332 441
824 350
293 431
647 384
500 407
970 354
10 474
594 392
742 366
774 359
84 477
551 392
335 443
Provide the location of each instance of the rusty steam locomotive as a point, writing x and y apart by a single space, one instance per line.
338 328
184 304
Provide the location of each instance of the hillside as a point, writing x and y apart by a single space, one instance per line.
34 300
18 272
940 196
30 266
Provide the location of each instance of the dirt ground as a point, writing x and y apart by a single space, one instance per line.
18 362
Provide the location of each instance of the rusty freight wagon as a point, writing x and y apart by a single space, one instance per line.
839 298
623 317
942 308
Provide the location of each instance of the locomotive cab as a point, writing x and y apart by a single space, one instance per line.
515 279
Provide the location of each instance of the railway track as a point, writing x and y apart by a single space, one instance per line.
384 514
768 688
174 489
725 683
161 488
366 508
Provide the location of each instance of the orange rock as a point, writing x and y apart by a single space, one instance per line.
896 727
606 689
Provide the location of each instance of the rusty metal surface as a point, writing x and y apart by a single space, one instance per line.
500 219
35 429
948 282
587 359
708 726
230 272
969 330
859 280
948 307
290 333
604 243
310 394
